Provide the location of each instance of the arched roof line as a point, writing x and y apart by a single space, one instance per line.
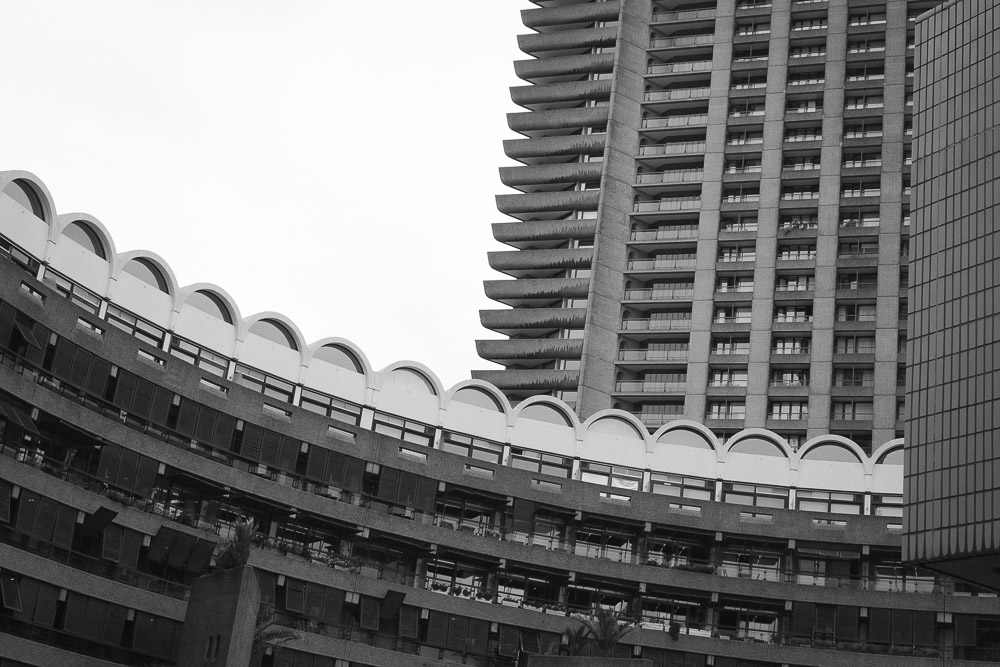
283 320
641 433
223 295
414 366
762 433
44 196
559 406
310 352
689 425
173 288
61 222
835 441
884 449
481 385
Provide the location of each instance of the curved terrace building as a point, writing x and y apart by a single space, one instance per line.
712 214
399 520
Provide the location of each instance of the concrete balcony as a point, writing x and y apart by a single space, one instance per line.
684 15
516 350
566 40
650 324
533 204
681 41
539 263
545 17
530 381
535 149
650 387
533 123
542 70
673 148
652 356
549 95
536 291
521 234
539 176
532 321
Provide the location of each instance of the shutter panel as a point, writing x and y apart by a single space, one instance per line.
530 642
802 620
353 474
314 600
222 438
524 513
847 623
180 550
409 622
879 624
76 612
289 453
302 659
437 628
93 622
111 545
142 398
426 494
81 368
458 632
406 493
206 425
45 519
128 557
508 641
34 355
251 442
127 467
24 596
200 556
108 464
479 635
145 475
114 624
965 630
163 637
45 605
62 532
27 509
63 362
142 636
125 390
160 408
387 484
10 592
336 468
269 448
369 613
160 544
923 628
294 595
902 626
188 417
4 501
98 379
316 465
333 603
6 324
266 581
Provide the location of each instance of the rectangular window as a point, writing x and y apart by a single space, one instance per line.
404 429
331 407
540 462
788 410
471 447
726 410
264 383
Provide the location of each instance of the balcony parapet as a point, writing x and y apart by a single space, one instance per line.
571 91
586 144
530 348
555 119
515 233
568 14
567 39
510 319
537 202
544 174
528 380
540 68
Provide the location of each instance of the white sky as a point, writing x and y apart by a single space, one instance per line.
332 160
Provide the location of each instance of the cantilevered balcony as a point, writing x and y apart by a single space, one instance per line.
672 148
649 387
545 204
670 176
666 122
554 149
684 15
537 178
550 96
557 121
540 263
542 233
682 67
655 294
668 204
565 16
532 321
652 356
529 292
523 351
527 382
565 41
674 94
664 234
656 324
564 68
681 41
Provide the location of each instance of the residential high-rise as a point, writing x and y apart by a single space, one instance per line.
953 448
713 214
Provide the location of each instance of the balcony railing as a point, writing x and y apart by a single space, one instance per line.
682 40
671 176
675 121
684 15
652 264
657 294
652 355
663 234
649 387
675 68
646 324
655 420
673 148
677 94
668 204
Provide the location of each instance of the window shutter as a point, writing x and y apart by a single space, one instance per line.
902 626
437 628
524 512
369 613
205 427
180 550
878 625
333 603
114 624
125 390
965 630
289 453
387 484
314 600
266 581
45 605
81 368
294 595
222 438
426 494
409 622
145 475
923 628
10 591
316 465
188 417
98 379
64 359
353 474
508 641
93 622
200 556
142 400
458 632
847 623
802 620
45 519
251 442
131 543
108 464
163 637
27 509
76 613
160 544
530 642
111 545
142 636
160 408
65 524
128 465
269 448
479 634
4 501
406 493
6 324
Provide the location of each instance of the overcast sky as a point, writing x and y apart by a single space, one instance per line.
333 161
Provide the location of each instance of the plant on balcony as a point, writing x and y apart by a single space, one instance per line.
267 632
235 552
604 630
439 586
